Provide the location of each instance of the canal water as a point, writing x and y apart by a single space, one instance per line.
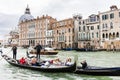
103 59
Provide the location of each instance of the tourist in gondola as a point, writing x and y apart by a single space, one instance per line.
84 64
14 49
38 49
57 61
22 61
34 62
68 62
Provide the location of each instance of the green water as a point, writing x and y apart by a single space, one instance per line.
103 59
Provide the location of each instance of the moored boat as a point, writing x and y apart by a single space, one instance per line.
51 68
45 51
99 71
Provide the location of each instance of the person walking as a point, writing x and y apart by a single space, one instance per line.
38 49
14 49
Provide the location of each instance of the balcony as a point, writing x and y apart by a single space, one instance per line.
84 39
61 40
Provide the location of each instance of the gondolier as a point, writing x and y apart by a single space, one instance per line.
14 49
38 49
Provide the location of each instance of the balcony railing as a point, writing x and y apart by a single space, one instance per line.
84 39
61 41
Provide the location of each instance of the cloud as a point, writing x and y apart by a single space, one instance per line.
11 10
7 23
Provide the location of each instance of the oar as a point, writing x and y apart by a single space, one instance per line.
76 60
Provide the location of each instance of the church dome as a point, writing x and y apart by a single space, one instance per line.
26 16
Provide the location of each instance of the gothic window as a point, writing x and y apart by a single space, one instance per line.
79 28
103 35
106 35
110 35
113 35
117 35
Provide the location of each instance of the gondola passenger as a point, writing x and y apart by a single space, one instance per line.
57 62
84 64
34 62
68 62
22 61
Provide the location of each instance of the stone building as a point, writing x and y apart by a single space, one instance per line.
87 31
63 34
34 30
110 28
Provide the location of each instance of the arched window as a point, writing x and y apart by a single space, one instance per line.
103 35
79 28
113 35
117 35
110 36
106 35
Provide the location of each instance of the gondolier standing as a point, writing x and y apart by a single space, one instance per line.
14 49
38 49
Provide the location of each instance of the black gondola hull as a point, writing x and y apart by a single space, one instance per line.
46 69
100 71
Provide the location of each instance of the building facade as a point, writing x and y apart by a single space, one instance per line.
110 28
97 31
87 31
63 34
33 31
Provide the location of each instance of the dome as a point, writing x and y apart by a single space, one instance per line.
26 16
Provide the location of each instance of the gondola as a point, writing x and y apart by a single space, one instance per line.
45 51
40 68
99 71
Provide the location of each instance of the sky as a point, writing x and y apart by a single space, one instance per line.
11 10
